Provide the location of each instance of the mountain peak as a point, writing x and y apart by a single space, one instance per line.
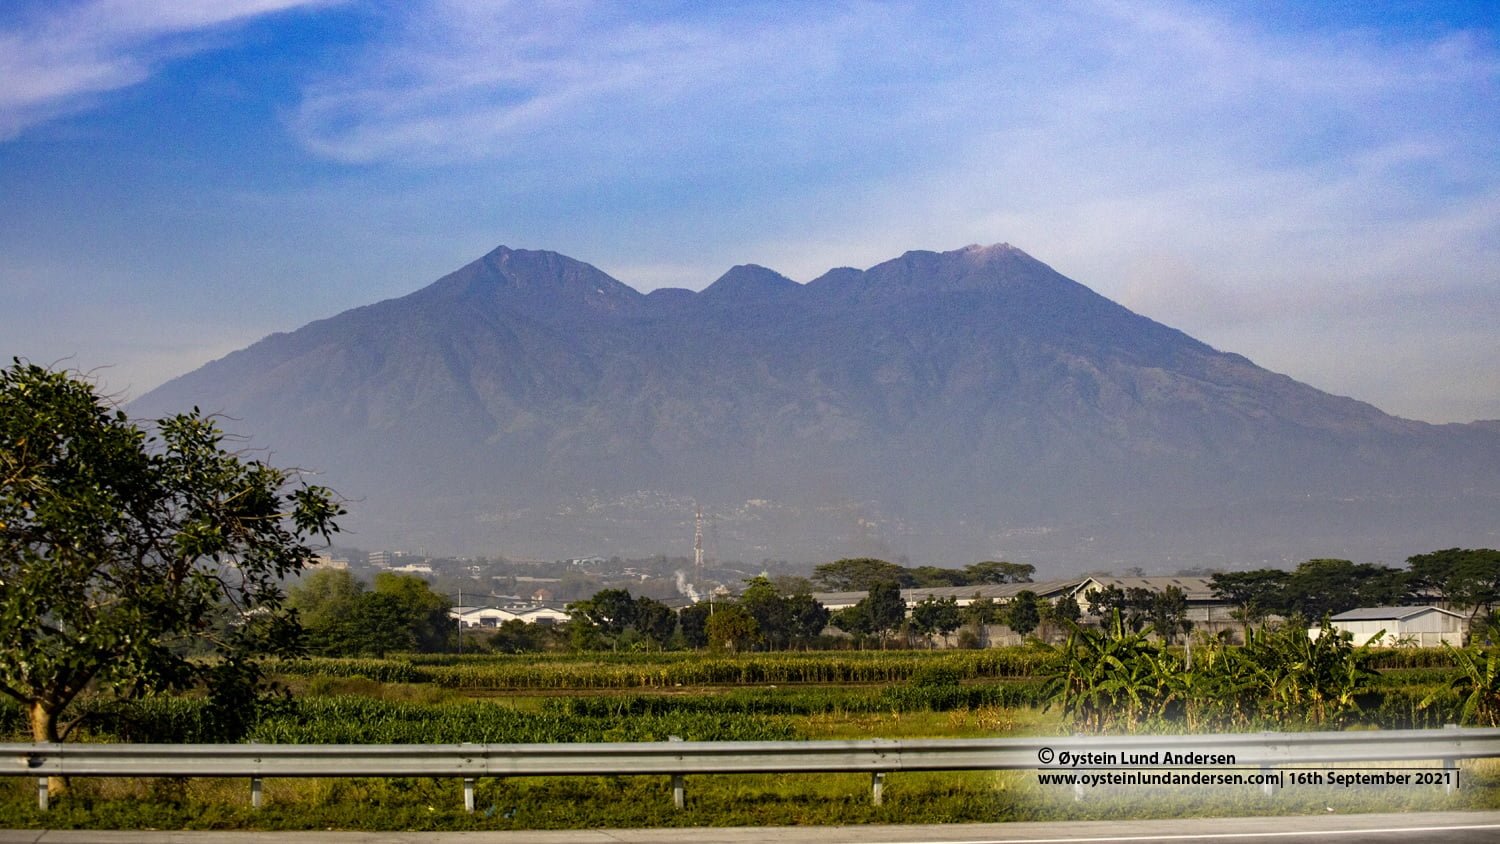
749 282
924 272
537 283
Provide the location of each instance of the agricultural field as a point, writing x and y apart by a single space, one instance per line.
649 697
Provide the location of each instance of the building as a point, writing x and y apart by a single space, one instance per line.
491 617
1000 593
1416 627
1208 613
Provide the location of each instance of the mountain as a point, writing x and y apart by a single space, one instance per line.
946 407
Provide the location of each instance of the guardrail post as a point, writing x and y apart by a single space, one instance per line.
468 794
1266 786
41 793
255 793
1450 766
877 787
679 783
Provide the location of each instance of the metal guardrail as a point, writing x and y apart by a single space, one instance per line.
679 758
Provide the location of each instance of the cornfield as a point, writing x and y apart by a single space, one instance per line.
487 673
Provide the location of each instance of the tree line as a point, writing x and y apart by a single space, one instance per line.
1467 579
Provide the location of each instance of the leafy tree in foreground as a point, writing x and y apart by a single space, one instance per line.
121 553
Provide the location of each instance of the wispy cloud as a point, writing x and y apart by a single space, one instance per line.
466 81
56 59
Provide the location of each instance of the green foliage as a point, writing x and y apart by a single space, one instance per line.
1023 614
1327 587
1169 613
1253 593
992 571
493 672
121 554
885 606
342 618
692 623
1112 680
732 628
1466 577
936 615
1477 688
858 574
1120 679
862 573
360 720
424 613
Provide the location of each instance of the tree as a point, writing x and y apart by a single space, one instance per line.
858 574
1325 587
342 618
885 608
1023 615
981 611
1065 609
379 624
1253 593
1134 604
934 615
992 571
732 627
1467 578
122 551
515 636
1169 613
323 599
423 611
654 620
792 584
933 576
773 616
808 617
693 622
854 620
609 612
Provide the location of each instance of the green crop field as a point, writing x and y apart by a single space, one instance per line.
648 697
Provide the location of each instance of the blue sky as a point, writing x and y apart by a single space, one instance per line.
1313 185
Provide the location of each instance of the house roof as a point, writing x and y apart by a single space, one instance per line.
1197 589
1388 613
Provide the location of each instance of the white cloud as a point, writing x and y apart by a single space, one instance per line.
59 59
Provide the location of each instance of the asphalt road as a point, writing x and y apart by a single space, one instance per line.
1447 827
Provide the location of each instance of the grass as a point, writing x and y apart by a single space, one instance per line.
645 801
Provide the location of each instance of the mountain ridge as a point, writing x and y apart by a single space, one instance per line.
932 393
